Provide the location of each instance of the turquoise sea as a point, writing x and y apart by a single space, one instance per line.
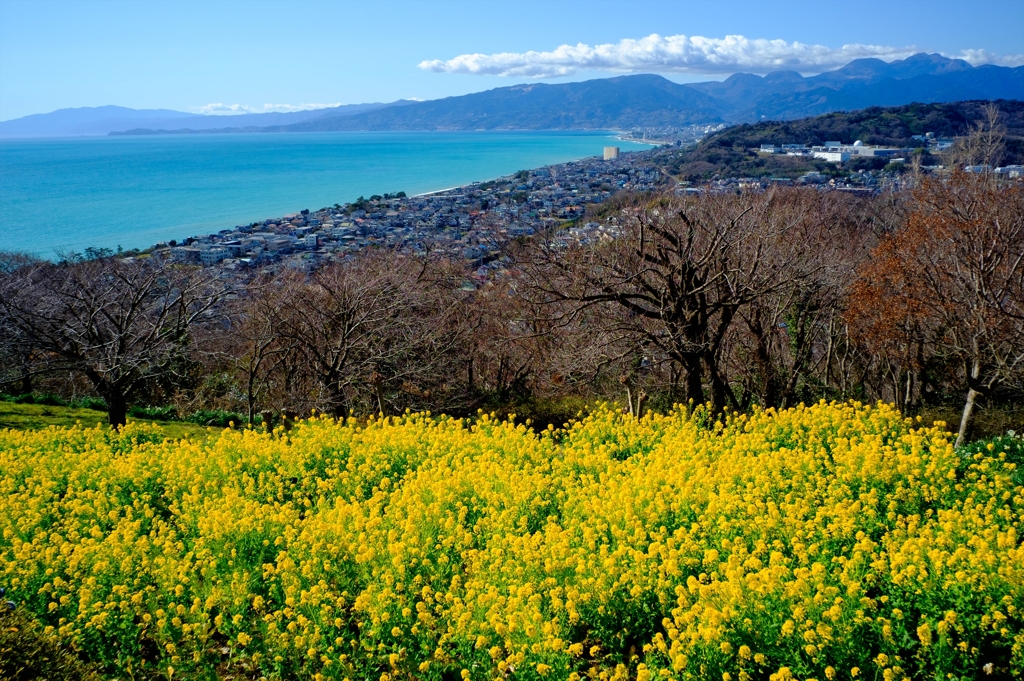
68 194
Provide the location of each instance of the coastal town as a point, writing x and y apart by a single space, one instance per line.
467 223
470 223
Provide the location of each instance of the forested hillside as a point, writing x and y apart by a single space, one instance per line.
730 152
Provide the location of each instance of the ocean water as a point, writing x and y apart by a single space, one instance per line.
69 194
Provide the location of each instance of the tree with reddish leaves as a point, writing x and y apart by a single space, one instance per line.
948 288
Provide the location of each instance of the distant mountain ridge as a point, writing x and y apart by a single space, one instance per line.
608 103
651 101
101 120
924 78
623 102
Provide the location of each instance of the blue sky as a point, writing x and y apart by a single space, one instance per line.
190 55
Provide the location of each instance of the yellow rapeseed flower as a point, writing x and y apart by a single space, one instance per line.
614 548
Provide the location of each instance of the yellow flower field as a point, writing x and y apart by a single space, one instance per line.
836 541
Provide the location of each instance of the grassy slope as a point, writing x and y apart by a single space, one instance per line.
987 422
38 416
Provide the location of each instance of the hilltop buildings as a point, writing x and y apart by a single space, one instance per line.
835 151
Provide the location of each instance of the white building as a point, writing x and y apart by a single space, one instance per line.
833 156
611 153
212 256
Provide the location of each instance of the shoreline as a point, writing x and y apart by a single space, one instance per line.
458 221
217 195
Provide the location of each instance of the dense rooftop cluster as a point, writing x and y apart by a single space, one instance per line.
464 223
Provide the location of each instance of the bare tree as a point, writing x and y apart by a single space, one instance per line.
18 365
119 322
676 273
983 145
365 327
522 350
784 341
252 346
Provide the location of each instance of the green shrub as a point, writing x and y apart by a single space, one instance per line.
216 417
95 403
154 413
49 400
1010 446
28 652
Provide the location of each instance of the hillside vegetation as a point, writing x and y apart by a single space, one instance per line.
732 152
831 542
768 298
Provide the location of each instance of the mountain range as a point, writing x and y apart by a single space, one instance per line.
101 120
623 102
923 78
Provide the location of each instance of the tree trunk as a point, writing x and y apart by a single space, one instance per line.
721 396
908 392
828 350
762 357
965 420
694 380
337 403
26 374
117 409
377 383
802 348
921 377
972 397
250 400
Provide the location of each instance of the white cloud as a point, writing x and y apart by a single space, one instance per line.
220 109
979 57
682 54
